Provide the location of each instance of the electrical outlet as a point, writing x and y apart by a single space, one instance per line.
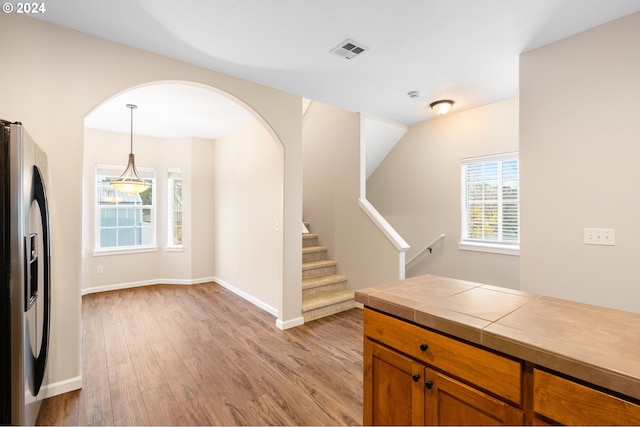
100 269
600 236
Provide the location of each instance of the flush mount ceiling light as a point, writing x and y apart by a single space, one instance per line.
441 107
130 182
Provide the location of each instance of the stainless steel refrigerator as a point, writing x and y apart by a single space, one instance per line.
25 275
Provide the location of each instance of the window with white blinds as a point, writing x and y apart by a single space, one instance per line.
174 231
491 203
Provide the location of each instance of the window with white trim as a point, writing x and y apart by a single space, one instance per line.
174 217
123 221
491 204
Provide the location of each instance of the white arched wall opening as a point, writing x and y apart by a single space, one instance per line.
233 213
57 77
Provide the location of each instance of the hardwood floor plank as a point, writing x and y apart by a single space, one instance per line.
94 400
62 411
163 408
201 355
183 385
126 398
115 342
196 412
148 371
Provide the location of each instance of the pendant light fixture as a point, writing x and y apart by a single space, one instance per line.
130 182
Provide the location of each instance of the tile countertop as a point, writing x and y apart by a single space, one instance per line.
595 344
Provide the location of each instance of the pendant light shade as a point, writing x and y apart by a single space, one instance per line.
130 182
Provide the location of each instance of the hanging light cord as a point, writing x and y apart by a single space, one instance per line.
131 107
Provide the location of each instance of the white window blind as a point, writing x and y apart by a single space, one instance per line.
174 232
491 200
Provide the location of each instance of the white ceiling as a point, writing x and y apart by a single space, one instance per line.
465 50
169 110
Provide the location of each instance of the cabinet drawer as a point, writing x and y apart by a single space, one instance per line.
570 403
482 368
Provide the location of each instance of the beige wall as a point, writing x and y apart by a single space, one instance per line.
201 230
247 219
580 145
417 189
331 151
54 78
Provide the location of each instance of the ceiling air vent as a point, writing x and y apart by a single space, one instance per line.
348 49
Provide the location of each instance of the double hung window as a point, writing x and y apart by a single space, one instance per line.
174 232
491 204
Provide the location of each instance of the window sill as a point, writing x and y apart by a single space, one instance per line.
124 251
513 250
174 249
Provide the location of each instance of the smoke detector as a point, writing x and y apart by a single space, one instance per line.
349 49
414 94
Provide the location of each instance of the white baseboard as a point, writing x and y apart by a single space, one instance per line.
255 301
118 286
289 323
60 387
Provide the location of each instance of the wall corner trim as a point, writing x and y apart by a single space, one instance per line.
298 321
61 387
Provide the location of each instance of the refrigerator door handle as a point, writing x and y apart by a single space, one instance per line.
31 270
39 195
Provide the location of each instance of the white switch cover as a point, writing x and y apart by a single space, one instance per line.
600 236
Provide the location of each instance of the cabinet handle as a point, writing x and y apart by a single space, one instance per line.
428 384
424 347
415 377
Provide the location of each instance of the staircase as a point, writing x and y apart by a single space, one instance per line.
323 291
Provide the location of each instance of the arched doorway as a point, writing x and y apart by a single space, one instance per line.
233 185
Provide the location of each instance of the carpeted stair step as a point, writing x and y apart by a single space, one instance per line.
317 286
318 268
327 305
310 239
314 253
324 292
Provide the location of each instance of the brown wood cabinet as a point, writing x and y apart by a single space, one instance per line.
563 401
406 392
416 376
400 390
393 387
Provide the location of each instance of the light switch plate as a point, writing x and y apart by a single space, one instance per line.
600 236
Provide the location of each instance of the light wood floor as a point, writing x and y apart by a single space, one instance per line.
200 355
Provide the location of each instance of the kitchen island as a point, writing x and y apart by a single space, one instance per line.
441 351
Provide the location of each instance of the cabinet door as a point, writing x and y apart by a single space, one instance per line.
449 402
570 403
393 387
